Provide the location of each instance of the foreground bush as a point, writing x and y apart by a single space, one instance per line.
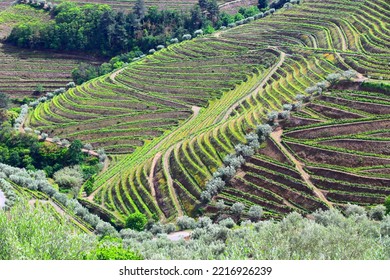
33 234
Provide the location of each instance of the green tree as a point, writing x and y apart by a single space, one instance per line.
74 154
262 4
139 9
136 221
4 100
387 204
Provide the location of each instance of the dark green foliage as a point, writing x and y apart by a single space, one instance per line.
136 221
262 4
25 151
74 155
111 249
387 204
4 100
98 28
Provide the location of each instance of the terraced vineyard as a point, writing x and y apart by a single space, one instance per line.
331 155
229 81
23 70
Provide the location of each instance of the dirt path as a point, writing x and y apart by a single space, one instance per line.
151 174
255 90
167 172
277 137
113 75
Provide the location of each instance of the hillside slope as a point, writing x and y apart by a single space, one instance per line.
237 76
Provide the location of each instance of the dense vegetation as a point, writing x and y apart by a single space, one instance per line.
25 150
98 28
328 235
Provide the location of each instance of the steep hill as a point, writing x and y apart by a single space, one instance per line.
22 70
236 76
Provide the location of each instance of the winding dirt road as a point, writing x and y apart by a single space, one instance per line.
277 137
256 89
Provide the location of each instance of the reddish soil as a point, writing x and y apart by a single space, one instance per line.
368 146
322 156
274 167
295 121
379 171
342 129
340 186
371 108
271 150
348 177
333 112
355 198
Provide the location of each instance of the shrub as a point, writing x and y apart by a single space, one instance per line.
287 107
377 213
203 222
333 78
174 41
198 32
169 228
160 47
252 140
136 221
185 222
354 210
385 226
311 90
284 115
156 229
70 85
88 147
237 208
187 37
263 131
69 177
255 213
272 116
228 222
220 205
106 229
152 51
349 74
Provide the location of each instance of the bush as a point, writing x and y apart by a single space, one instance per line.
136 221
377 213
228 222
203 222
169 228
187 37
272 116
185 222
263 131
255 213
69 178
333 78
354 210
237 208
198 32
